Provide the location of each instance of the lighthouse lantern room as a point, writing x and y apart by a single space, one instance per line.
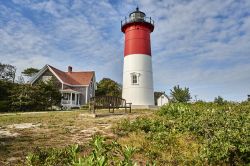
137 68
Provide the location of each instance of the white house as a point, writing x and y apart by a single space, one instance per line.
76 87
163 99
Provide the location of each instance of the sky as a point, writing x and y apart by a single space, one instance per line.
200 44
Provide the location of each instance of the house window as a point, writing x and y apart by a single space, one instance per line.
46 78
135 78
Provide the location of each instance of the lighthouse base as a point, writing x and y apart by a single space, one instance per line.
154 107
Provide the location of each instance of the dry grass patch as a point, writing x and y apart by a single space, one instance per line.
53 129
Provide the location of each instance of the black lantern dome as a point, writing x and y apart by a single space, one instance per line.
136 17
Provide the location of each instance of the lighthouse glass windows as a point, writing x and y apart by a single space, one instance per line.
135 78
137 16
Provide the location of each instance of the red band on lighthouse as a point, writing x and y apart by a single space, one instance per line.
137 40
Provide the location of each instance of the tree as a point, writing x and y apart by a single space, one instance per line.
49 94
5 92
41 96
23 98
219 100
180 95
30 72
20 80
108 87
7 72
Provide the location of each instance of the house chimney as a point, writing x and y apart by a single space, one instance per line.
69 69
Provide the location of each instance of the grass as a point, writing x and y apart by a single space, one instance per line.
177 134
57 129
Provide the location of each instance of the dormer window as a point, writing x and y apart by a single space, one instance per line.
135 78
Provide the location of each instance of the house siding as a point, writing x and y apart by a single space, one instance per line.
49 73
84 90
79 89
162 100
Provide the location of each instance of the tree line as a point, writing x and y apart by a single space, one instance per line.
15 95
24 97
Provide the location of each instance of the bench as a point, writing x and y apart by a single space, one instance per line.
108 102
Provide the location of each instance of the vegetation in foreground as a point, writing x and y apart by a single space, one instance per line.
177 134
101 153
191 134
54 129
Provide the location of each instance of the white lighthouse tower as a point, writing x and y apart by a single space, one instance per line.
137 69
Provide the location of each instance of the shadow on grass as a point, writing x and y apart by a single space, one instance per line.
106 113
14 147
109 114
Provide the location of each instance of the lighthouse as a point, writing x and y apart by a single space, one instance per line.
137 68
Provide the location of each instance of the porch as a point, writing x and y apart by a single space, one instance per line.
70 98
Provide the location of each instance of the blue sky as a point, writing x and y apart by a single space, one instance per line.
200 44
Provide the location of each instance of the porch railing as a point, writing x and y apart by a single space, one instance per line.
68 102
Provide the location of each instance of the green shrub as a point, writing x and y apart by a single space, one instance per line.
102 154
39 97
5 92
220 133
4 106
52 156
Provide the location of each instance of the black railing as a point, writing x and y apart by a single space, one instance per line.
131 20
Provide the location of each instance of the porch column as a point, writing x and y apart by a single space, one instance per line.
75 98
78 99
70 98
62 98
86 99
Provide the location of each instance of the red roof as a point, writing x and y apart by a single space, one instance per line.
74 78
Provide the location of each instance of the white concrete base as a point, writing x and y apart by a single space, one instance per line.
153 107
142 92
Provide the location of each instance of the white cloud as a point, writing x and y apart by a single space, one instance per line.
200 44
75 40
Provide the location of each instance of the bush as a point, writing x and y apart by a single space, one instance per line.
219 100
39 97
224 130
24 97
101 154
52 156
218 134
5 92
179 94
4 106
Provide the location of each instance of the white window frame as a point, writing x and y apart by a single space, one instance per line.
135 78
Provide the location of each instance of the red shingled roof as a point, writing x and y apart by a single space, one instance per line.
74 78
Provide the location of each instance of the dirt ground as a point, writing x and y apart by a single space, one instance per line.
20 133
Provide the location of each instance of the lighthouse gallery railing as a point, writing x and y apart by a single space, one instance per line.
129 20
